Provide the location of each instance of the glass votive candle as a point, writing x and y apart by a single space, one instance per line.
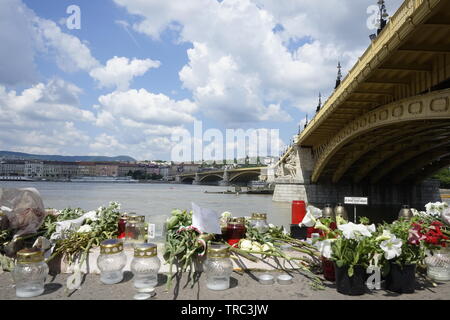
122 226
135 230
218 267
259 222
29 273
145 266
111 261
235 231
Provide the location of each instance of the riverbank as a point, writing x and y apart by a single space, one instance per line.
243 287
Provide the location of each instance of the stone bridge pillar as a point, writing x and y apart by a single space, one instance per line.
196 180
225 182
293 174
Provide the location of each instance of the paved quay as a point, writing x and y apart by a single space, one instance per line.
243 287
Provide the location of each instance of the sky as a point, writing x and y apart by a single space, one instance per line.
124 76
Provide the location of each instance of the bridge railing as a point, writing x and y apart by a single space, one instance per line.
402 16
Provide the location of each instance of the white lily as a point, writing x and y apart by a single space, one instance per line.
92 215
356 231
435 209
392 248
84 229
385 236
446 216
324 247
319 225
256 246
245 245
226 215
310 219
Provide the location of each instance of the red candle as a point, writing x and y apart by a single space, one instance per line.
328 269
298 211
121 228
235 232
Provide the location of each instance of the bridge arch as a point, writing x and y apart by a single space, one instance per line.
211 178
187 180
384 133
245 176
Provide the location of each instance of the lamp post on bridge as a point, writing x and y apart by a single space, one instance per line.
383 15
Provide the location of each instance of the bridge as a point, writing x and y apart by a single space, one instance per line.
386 127
224 177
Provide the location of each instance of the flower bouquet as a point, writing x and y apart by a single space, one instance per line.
185 244
352 251
271 243
327 230
402 250
432 229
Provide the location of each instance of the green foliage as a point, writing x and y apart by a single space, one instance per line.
49 224
364 221
104 228
444 177
182 245
411 254
351 253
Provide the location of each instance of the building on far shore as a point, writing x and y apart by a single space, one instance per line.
106 169
55 170
86 169
59 170
12 168
34 169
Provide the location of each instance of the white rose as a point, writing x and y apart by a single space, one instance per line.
85 229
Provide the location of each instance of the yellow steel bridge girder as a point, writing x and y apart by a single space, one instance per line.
418 163
428 171
424 143
400 159
396 135
432 106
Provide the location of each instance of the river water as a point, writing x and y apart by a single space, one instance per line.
156 201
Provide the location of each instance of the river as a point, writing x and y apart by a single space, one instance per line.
155 201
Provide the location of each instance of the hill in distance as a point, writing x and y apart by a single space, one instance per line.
27 156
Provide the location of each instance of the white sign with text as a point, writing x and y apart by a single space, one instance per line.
356 200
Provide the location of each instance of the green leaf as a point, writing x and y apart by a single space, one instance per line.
351 271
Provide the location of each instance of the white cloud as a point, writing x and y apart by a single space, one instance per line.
43 118
145 107
240 70
71 54
42 103
17 44
119 72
